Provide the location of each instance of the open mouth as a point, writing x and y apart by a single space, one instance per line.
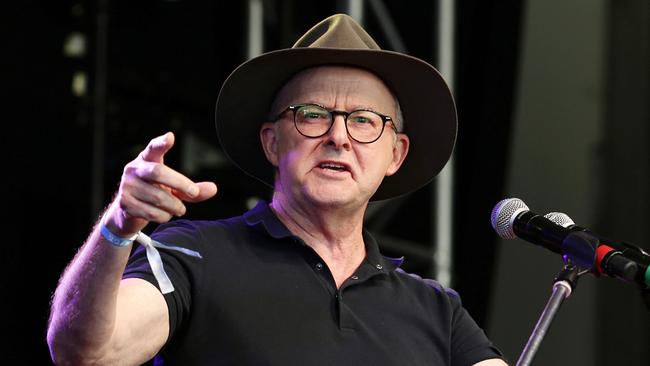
333 166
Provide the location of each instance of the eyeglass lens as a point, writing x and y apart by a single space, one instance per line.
315 121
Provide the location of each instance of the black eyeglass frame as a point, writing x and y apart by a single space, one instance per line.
333 113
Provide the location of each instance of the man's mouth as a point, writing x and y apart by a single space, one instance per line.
333 166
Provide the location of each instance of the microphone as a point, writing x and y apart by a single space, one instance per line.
615 257
511 218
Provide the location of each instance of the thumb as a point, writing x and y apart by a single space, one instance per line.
158 147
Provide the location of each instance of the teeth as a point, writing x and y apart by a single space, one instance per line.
333 167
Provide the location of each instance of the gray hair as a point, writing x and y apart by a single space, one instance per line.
399 117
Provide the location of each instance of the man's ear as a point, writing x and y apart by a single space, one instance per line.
400 150
269 140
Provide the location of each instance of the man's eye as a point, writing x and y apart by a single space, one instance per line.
313 115
361 120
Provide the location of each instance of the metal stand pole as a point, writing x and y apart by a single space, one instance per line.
564 284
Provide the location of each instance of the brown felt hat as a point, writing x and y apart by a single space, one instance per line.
427 105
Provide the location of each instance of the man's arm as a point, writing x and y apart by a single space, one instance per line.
96 317
492 362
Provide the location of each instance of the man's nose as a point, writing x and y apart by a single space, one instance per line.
338 133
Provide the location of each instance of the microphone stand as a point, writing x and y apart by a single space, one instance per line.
565 282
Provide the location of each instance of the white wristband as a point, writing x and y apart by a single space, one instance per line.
115 240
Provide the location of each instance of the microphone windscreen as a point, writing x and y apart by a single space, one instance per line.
560 218
503 215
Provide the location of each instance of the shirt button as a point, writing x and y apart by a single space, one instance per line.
319 266
379 267
354 277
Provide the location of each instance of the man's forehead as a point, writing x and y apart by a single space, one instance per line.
326 79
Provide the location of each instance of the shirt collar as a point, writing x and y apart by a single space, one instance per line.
374 256
262 217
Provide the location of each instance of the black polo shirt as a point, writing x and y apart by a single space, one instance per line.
260 296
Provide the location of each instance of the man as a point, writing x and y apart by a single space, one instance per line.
296 281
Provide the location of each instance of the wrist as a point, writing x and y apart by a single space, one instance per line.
113 238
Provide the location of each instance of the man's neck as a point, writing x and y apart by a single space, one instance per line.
335 234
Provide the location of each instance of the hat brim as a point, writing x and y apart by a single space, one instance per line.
425 99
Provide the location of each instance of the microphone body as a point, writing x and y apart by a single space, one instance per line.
511 218
615 258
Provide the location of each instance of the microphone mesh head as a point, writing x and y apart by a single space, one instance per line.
560 218
503 215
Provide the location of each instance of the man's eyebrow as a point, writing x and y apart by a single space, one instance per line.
366 108
356 107
362 107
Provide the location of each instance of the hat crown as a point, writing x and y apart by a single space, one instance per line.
337 31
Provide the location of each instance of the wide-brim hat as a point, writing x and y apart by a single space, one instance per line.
427 105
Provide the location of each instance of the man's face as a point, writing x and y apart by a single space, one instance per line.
332 170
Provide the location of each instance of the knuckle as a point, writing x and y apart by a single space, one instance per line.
128 171
122 205
147 214
131 171
125 204
181 210
161 217
151 144
149 148
154 171
131 165
159 196
126 183
129 190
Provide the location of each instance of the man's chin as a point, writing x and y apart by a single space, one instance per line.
334 197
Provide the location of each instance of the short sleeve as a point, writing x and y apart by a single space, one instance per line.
184 271
469 343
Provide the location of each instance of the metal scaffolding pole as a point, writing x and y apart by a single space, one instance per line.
255 34
441 204
354 8
387 24
443 252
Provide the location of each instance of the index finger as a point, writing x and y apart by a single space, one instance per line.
158 147
206 191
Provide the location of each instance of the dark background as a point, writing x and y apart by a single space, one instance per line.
164 64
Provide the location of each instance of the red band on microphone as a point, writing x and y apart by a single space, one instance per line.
601 252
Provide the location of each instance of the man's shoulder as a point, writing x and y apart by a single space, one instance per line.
187 230
259 224
426 284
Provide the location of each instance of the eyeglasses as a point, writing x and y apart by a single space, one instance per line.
364 126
